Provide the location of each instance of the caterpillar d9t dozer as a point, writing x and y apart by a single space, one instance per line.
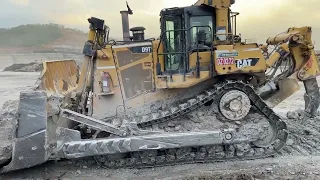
198 93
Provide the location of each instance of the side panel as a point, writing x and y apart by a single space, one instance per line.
106 105
130 67
204 60
136 80
134 64
229 60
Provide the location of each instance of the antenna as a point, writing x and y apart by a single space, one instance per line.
129 9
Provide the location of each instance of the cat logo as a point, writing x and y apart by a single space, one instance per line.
241 63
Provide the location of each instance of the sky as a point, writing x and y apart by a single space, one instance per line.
258 19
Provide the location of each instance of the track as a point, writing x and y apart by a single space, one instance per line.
168 122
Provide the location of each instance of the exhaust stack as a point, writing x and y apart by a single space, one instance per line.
125 23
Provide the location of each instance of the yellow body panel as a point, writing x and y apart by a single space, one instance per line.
229 60
222 17
134 68
179 82
204 59
310 68
215 3
91 35
105 63
155 45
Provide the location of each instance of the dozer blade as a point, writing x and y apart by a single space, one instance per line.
60 77
30 135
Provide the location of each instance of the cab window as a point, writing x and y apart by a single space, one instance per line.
201 21
172 44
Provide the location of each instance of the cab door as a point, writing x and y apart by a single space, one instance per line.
174 41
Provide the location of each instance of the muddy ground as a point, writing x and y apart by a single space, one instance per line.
297 166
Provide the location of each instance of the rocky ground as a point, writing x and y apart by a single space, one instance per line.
296 161
279 168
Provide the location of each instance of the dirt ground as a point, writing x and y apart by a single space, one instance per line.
278 168
281 167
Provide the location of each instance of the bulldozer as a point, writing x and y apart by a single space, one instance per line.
197 93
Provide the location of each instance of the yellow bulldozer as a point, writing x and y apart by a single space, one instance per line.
198 93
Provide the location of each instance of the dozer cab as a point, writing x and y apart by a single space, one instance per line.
198 93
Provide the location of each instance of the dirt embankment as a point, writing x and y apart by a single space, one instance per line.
30 67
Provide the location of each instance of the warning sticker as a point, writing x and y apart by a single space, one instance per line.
228 54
